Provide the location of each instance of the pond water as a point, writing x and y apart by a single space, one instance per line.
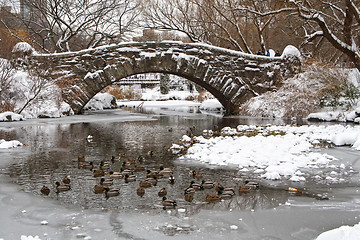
53 146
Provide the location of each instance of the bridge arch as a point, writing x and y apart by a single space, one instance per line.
232 77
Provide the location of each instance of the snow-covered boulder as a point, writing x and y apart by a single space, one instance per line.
101 101
291 51
212 105
341 233
23 48
10 116
9 144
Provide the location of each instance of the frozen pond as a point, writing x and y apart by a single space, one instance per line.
51 152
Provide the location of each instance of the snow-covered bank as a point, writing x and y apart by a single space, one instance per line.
342 233
275 152
10 116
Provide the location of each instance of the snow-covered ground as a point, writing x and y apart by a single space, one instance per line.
275 152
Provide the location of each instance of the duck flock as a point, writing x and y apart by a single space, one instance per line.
128 173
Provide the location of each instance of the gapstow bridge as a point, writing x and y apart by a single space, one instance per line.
232 77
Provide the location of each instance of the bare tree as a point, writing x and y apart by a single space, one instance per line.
64 25
6 80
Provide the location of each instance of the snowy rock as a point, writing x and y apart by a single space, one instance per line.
24 48
234 227
10 116
10 144
44 222
341 233
291 51
101 101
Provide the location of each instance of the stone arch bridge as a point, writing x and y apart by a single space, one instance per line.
232 77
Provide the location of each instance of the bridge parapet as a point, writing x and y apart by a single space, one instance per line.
232 77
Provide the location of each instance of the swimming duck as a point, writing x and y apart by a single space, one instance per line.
85 165
162 192
98 173
62 187
150 174
122 155
66 180
131 162
151 153
129 178
227 194
196 186
244 189
115 175
126 171
140 192
189 190
112 159
252 185
99 189
171 179
111 192
139 168
168 203
106 182
219 187
81 158
197 175
153 180
104 165
207 184
145 184
165 171
140 158
189 197
212 198
45 190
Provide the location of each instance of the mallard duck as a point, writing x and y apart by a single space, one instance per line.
189 190
207 184
196 186
99 189
106 182
129 178
165 171
112 159
111 192
152 174
122 155
85 165
115 175
219 187
45 190
66 180
62 187
151 153
168 203
153 180
140 192
212 198
81 158
197 175
162 192
126 171
98 173
244 189
145 184
252 185
171 179
139 168
104 165
226 194
189 197
140 158
131 162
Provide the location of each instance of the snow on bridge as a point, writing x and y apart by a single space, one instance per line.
232 77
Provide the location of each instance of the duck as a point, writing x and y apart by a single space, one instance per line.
112 159
98 173
99 189
104 165
145 184
115 175
131 162
106 182
189 197
85 165
196 186
207 184
151 153
139 168
219 187
153 180
212 198
150 174
45 190
129 178
168 203
81 158
140 158
62 187
244 189
189 190
66 180
252 185
89 138
162 192
111 192
140 192
165 171
227 194
122 155
171 179
126 171
197 175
